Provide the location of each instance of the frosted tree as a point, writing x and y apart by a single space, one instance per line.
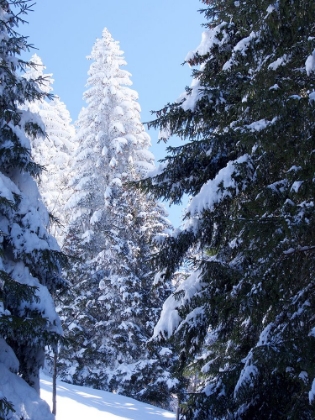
113 232
53 153
29 256
244 320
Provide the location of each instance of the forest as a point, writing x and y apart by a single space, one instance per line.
214 319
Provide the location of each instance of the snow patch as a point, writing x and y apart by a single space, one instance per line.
213 191
241 47
247 375
169 318
281 61
311 394
310 63
24 399
296 186
81 403
8 357
96 217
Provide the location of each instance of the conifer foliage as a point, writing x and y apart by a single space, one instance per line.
111 237
55 151
29 256
244 321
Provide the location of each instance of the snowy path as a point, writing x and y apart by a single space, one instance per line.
80 403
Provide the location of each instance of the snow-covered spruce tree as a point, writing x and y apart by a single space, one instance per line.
245 319
29 256
55 151
111 236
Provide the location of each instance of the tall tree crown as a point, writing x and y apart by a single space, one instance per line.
111 232
54 152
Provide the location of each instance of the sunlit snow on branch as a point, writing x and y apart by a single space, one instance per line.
218 188
170 318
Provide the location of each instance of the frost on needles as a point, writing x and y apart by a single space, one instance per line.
55 152
112 306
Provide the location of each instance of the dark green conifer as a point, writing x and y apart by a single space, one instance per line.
245 321
29 256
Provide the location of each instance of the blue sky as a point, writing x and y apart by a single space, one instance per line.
154 35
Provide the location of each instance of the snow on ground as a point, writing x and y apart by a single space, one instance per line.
80 403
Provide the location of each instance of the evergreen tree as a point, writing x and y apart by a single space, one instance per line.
244 320
29 256
112 233
54 152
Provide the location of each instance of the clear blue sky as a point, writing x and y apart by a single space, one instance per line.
154 35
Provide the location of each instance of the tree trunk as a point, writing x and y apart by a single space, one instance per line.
54 398
178 408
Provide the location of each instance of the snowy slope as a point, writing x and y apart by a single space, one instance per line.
80 403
